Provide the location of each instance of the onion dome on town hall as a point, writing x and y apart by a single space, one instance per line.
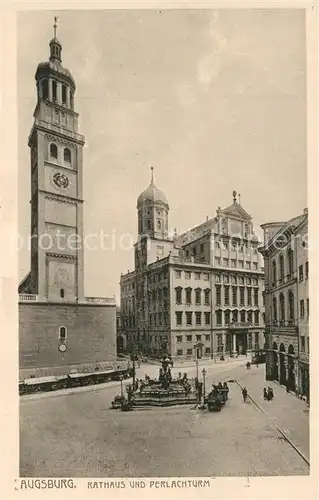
152 194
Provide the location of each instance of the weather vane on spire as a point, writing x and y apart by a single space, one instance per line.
152 174
55 25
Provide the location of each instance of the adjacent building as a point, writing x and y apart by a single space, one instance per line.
195 294
285 253
58 325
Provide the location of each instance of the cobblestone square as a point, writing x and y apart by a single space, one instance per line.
75 434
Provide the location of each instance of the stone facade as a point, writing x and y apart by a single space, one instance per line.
88 337
198 294
285 251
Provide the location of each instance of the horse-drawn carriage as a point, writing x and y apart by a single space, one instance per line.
216 398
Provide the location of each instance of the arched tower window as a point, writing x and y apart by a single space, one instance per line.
64 94
291 306
274 308
290 262
53 151
62 293
282 307
274 271
45 89
54 90
62 333
71 100
67 155
281 267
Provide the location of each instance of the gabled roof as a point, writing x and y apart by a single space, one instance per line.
236 210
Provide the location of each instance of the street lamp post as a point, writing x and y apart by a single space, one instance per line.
204 376
121 380
197 363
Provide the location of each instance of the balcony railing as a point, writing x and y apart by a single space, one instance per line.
100 300
28 297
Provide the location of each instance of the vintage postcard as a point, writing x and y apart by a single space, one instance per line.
165 196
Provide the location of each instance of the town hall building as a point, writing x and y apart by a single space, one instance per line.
58 325
198 294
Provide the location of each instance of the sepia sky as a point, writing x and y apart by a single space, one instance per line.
214 100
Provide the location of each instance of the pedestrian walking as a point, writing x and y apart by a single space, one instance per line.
270 394
248 365
245 394
265 394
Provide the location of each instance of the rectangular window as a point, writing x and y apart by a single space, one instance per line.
188 296
189 317
189 338
307 308
226 295
189 352
250 341
218 317
178 317
234 280
249 303
233 263
197 276
227 317
248 265
255 282
225 262
300 273
307 270
207 337
256 298
248 281
179 352
242 296
302 308
207 350
217 261
255 266
206 276
198 297
256 341
226 278
207 297
218 278
198 318
207 318
188 275
178 274
217 244
201 247
303 344
198 338
256 313
234 291
218 295
241 264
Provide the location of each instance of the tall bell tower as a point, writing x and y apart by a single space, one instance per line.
56 150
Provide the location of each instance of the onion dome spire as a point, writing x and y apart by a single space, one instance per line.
55 46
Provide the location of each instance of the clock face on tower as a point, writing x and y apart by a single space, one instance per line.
60 180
